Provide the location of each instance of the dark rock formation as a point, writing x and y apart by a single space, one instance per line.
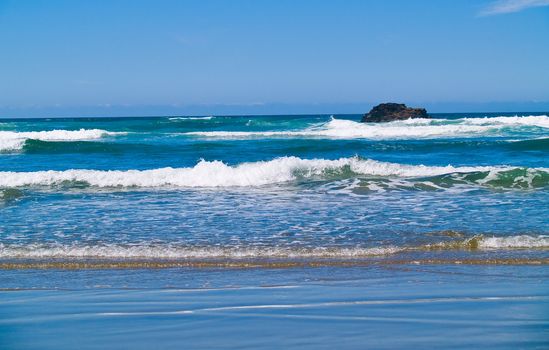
387 112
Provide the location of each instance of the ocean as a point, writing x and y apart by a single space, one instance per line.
307 231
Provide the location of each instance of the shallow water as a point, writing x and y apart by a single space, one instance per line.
402 306
397 228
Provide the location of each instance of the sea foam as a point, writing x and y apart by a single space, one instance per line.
219 174
191 118
176 251
521 241
405 129
13 140
171 251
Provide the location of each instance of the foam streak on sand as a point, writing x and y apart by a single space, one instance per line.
174 251
13 140
170 251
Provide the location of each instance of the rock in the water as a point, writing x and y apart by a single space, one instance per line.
387 112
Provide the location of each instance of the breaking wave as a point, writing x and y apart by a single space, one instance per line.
173 251
406 129
13 140
541 121
281 170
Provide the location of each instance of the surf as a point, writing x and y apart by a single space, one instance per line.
15 140
406 129
277 171
159 251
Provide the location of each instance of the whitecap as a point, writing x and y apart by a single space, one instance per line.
421 128
219 174
14 140
192 118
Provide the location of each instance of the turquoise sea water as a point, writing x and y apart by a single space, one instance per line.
172 228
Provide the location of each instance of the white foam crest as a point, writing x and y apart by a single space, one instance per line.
521 241
192 118
13 140
404 129
219 174
174 251
541 121
339 128
168 251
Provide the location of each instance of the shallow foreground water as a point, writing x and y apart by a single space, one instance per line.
397 306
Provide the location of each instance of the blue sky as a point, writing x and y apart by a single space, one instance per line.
208 57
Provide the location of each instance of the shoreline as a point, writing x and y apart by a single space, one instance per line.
257 264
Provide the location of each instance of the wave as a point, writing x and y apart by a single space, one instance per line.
541 121
169 251
51 147
281 170
112 146
522 241
14 140
537 144
174 251
135 149
406 129
9 194
191 118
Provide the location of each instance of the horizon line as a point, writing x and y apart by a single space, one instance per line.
245 115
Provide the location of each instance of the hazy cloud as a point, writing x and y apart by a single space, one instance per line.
509 6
